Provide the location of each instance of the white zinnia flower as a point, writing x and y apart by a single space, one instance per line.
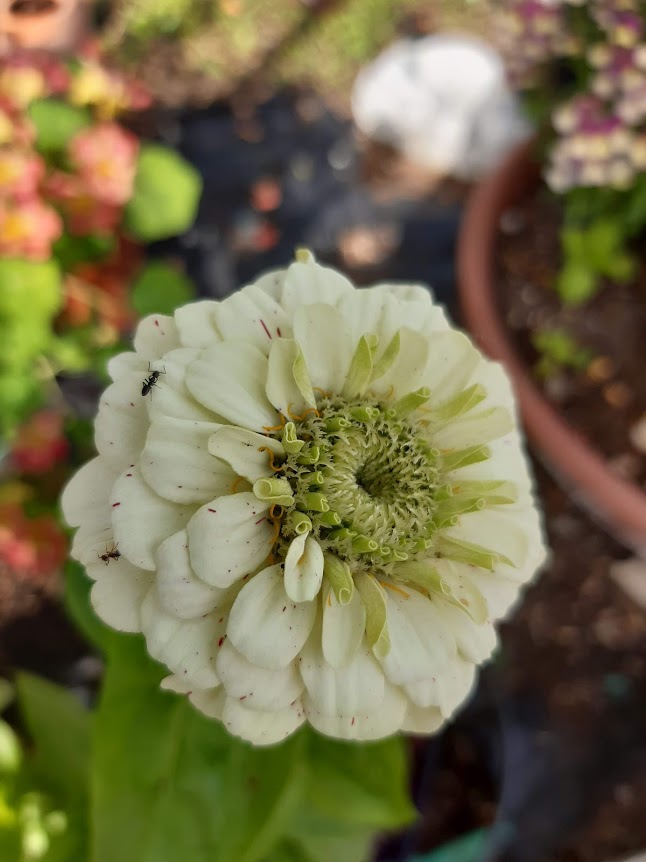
317 510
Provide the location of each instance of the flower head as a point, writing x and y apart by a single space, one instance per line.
84 213
28 229
106 159
21 172
320 504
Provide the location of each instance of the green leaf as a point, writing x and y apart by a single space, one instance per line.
160 290
362 785
29 289
56 123
170 784
576 283
60 728
69 251
78 605
316 838
167 192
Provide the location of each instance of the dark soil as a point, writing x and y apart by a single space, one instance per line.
606 399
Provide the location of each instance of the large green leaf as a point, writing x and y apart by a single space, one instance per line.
60 728
361 784
56 123
167 192
170 784
160 289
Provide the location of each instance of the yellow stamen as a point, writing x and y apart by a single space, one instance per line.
276 512
283 422
236 483
296 418
272 466
322 391
395 589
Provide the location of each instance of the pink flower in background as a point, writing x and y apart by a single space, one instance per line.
31 549
28 229
106 158
29 75
20 173
40 444
84 214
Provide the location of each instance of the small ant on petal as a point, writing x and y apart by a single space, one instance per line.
111 554
150 381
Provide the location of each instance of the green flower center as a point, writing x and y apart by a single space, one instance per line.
364 481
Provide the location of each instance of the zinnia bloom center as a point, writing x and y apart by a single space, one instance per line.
363 480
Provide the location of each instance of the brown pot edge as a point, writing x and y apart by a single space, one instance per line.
620 504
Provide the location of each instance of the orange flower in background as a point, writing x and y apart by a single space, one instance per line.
106 91
31 549
28 229
106 158
40 444
21 173
84 214
29 75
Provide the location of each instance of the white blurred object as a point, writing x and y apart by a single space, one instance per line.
443 101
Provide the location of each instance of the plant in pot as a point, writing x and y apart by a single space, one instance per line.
551 277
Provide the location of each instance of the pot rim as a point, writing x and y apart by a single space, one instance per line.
621 504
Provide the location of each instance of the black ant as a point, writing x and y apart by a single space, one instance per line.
111 554
151 381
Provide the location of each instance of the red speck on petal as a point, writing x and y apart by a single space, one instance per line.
278 331
264 326
114 505
285 608
244 697
157 323
212 510
128 474
353 721
221 641
259 522
132 404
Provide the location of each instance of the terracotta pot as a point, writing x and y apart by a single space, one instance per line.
53 25
617 504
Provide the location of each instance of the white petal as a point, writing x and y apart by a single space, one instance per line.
420 720
118 594
407 372
309 282
176 684
196 324
245 451
371 311
475 642
229 379
125 363
155 336
229 538
181 592
473 428
452 360
447 690
327 345
170 397
420 643
258 687
209 701
376 724
86 494
501 594
252 315
122 421
187 647
357 688
303 569
260 727
177 465
265 626
142 520
497 532
416 308
343 629
289 395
